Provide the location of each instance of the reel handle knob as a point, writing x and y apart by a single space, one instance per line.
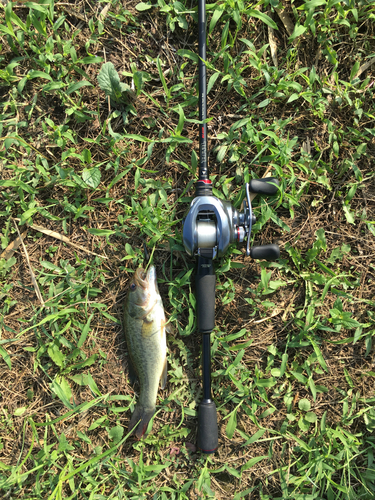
267 252
267 185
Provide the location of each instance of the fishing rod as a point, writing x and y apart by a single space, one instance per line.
210 226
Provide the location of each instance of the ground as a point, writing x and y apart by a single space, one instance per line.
87 177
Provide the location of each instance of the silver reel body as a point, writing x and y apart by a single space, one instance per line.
214 224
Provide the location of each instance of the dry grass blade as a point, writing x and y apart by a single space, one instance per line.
287 22
104 12
13 246
33 279
306 146
364 66
273 45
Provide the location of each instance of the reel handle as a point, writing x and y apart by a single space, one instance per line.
267 186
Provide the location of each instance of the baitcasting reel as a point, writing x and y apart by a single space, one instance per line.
211 224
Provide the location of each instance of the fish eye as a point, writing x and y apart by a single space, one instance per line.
133 286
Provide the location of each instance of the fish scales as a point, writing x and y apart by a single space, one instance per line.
144 324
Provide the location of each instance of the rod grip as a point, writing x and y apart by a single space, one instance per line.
267 185
208 440
266 252
205 295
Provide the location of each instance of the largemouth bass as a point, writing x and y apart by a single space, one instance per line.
144 325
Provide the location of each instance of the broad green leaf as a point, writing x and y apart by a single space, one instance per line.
263 17
38 74
56 355
83 436
348 214
181 120
304 404
264 103
5 357
60 393
252 462
319 355
137 137
76 86
80 379
284 360
312 4
293 97
298 31
51 267
255 437
303 424
232 424
11 16
216 16
162 77
266 382
312 386
53 86
64 384
36 6
142 6
116 433
88 362
301 378
321 237
26 215
91 60
212 80
188 53
19 411
109 81
311 417
221 153
85 332
6 30
92 384
92 176
101 232
354 70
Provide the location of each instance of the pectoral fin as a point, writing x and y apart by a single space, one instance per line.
163 378
169 328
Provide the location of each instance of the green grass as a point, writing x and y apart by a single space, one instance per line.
98 141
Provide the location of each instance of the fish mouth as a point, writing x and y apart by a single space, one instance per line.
146 280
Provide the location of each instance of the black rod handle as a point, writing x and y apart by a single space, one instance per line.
208 440
266 252
205 294
267 185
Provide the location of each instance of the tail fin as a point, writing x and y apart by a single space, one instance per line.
143 415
